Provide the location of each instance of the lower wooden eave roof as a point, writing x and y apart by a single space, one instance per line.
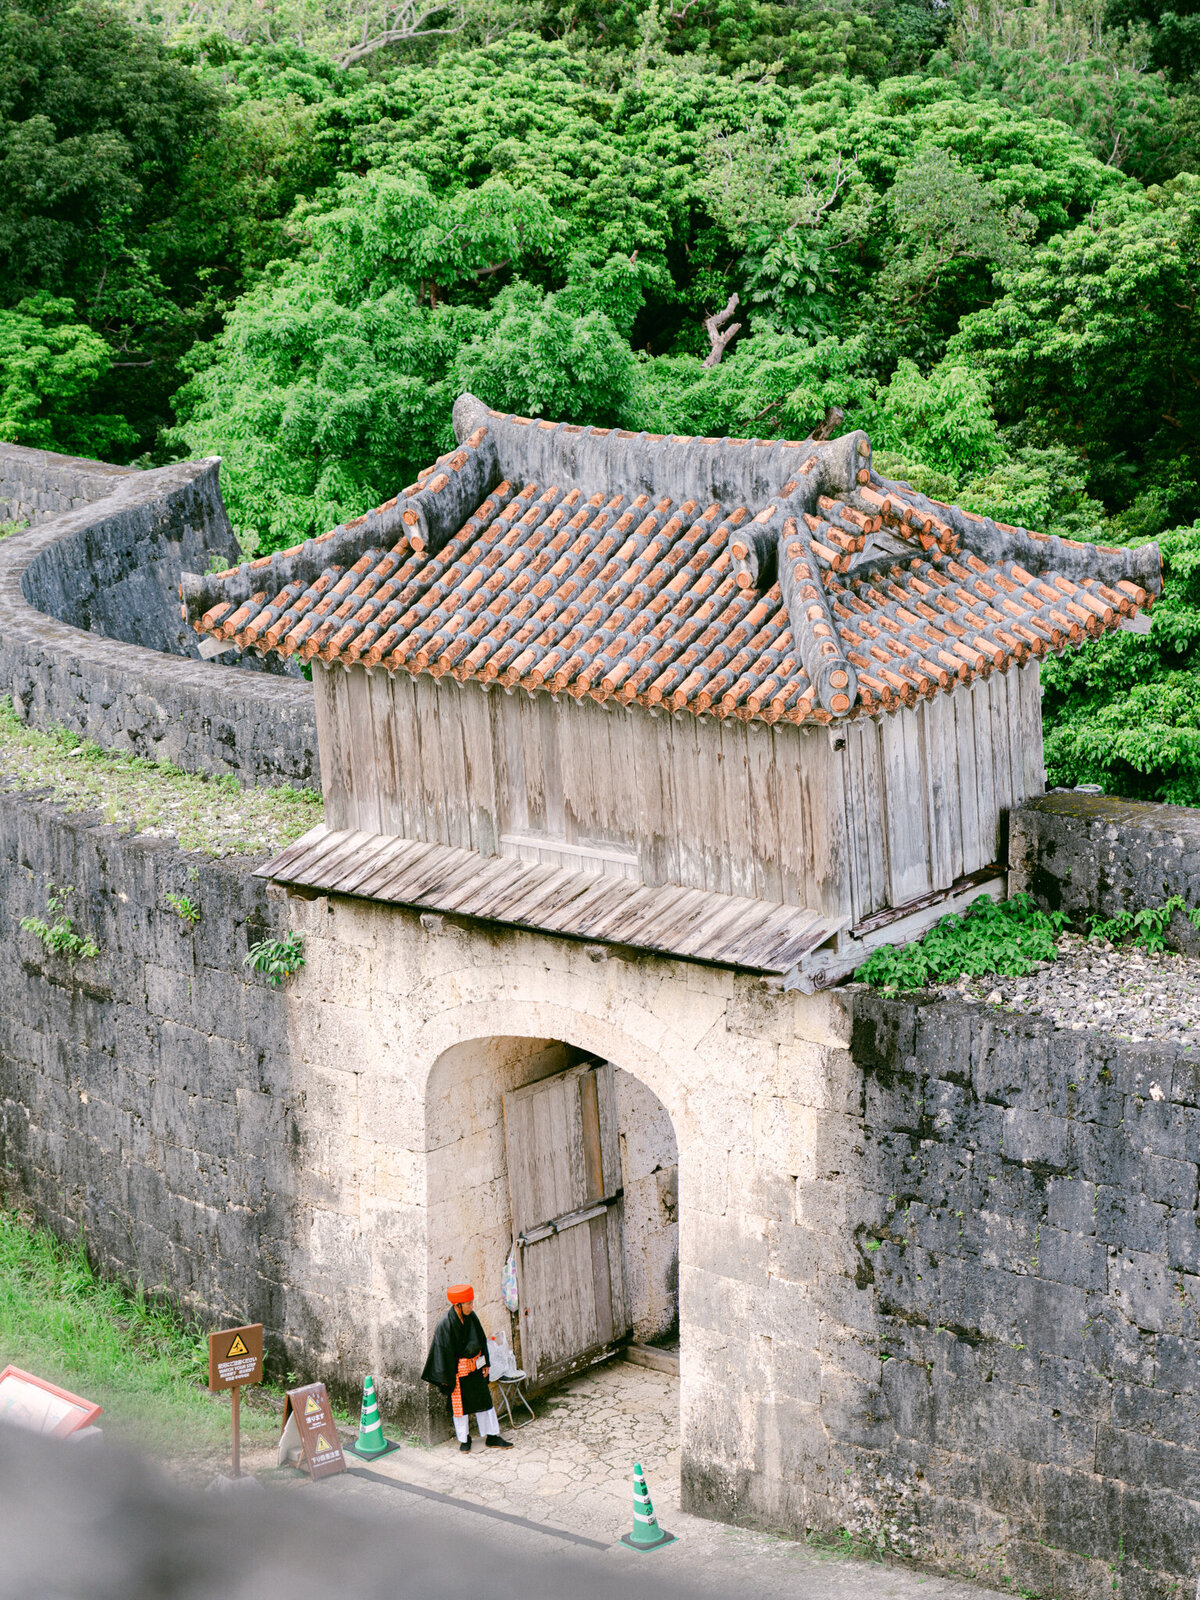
690 924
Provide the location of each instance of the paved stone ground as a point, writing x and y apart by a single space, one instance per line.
572 1469
573 1466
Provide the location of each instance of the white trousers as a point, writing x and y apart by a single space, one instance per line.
486 1421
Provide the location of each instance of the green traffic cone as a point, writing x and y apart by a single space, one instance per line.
370 1441
646 1534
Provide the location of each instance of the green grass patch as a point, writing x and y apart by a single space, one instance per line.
215 815
1010 937
144 1364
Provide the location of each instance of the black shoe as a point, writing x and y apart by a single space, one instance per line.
497 1443
466 1446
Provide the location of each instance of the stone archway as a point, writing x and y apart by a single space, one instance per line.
468 1215
470 1228
650 1175
761 1094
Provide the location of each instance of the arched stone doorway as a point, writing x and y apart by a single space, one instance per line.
517 1125
650 1170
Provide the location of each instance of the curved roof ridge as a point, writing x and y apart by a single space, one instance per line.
686 467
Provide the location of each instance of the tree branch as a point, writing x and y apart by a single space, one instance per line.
810 220
716 338
413 27
834 417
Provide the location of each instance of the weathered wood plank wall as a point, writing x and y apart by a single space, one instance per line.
928 790
850 819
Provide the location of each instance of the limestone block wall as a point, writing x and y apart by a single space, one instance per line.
1023 1227
147 1098
650 1176
939 1269
90 633
1092 855
116 575
36 485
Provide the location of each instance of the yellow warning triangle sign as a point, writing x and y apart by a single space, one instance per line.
237 1348
311 1404
322 1442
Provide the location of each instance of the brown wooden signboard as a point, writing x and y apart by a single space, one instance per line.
235 1356
309 1417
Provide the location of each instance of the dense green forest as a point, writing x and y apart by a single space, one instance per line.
289 234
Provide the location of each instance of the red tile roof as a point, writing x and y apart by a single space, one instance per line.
771 580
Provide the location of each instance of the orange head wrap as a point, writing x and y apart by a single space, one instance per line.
459 1294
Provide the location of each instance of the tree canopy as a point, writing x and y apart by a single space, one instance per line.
290 234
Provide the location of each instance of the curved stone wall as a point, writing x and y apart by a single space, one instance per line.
36 485
90 632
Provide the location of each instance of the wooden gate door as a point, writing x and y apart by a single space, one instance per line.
564 1180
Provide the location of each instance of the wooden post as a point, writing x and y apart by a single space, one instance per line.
235 1357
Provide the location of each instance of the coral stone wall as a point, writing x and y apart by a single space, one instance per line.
939 1269
36 485
115 573
1024 1228
91 636
1091 855
118 575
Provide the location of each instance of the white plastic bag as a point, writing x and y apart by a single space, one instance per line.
501 1361
508 1283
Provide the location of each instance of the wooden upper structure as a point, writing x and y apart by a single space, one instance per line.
751 668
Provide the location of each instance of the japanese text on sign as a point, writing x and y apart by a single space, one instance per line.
308 1420
235 1356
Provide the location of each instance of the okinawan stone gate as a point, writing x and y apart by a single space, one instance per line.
750 667
938 1270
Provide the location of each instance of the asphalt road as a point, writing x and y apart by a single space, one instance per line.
707 1560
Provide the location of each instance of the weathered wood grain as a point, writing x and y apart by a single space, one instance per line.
970 801
936 718
762 936
339 802
907 810
985 765
559 1136
846 820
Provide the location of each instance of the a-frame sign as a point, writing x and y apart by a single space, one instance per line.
308 1424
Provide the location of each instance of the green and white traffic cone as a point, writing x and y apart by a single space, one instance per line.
646 1534
370 1441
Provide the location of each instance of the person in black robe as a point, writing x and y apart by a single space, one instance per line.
457 1365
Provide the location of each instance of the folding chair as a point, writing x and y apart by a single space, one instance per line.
508 1377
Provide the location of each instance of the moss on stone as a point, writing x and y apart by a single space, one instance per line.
214 815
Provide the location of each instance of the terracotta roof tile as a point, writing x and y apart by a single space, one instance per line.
713 577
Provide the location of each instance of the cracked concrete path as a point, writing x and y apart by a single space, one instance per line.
572 1470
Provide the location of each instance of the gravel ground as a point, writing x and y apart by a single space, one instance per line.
1123 991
